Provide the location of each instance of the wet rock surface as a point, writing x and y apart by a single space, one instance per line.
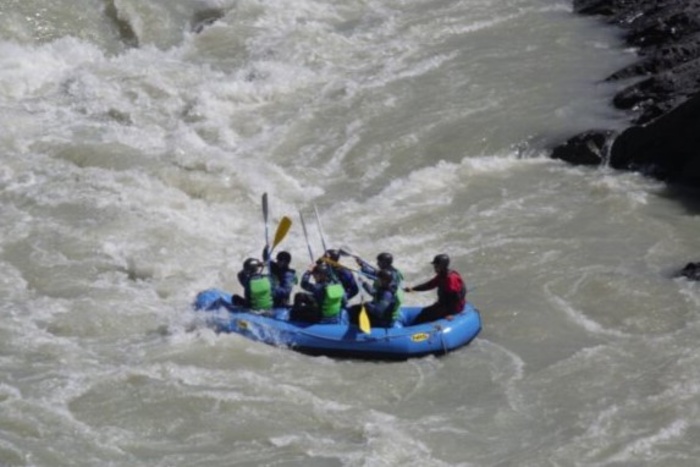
663 140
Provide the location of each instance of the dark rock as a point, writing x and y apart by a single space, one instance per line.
660 94
663 140
691 271
658 59
615 9
589 148
667 149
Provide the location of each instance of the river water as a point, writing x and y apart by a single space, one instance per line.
137 138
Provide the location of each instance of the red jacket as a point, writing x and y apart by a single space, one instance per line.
451 290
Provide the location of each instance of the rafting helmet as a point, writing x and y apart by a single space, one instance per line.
441 260
284 257
252 265
384 260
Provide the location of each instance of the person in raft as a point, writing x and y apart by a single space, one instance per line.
257 287
384 308
324 297
342 275
284 278
451 291
384 261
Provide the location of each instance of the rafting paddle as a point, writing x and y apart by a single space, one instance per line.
306 236
320 229
265 211
364 320
342 266
282 229
346 252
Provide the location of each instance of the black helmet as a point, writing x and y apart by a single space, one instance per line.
441 260
384 260
384 275
284 256
333 254
252 265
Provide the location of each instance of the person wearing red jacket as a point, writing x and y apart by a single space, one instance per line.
451 291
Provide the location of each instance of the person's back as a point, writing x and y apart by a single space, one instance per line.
259 292
386 302
257 287
344 276
347 281
332 302
451 291
325 299
284 279
384 308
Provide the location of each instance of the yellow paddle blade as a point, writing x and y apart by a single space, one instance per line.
282 229
364 321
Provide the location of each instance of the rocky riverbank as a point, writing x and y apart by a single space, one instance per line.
663 140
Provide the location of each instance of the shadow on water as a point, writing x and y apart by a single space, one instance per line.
688 197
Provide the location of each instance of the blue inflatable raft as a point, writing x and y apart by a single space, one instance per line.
341 340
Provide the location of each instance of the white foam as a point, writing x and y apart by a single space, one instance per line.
30 72
132 178
646 447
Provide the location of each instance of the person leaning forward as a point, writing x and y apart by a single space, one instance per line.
451 291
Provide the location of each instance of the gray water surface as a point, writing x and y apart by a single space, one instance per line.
133 156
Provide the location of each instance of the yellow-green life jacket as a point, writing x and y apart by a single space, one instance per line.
260 293
333 301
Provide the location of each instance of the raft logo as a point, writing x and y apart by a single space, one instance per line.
420 337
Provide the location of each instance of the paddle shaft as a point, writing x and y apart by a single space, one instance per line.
320 229
344 252
306 236
265 210
356 271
